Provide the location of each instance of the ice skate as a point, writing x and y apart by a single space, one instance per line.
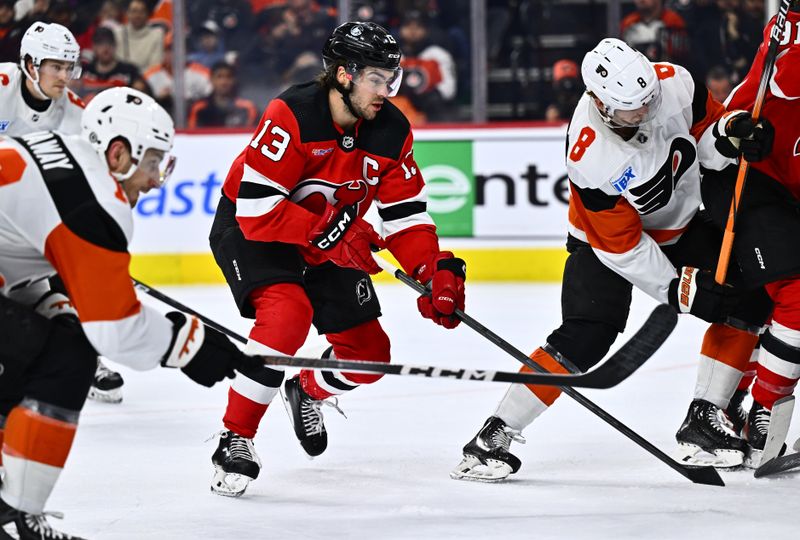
486 457
736 411
707 437
235 465
16 525
107 385
755 433
306 417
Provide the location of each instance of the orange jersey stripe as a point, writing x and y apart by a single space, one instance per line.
665 235
616 230
714 111
97 279
12 166
728 345
35 437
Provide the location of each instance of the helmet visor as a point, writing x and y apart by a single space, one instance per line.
640 116
156 167
377 80
56 67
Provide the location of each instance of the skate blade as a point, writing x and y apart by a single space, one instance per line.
105 396
755 457
473 470
229 484
691 454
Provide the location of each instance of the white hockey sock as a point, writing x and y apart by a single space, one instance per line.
519 407
716 382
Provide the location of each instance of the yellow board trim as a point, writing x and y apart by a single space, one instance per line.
488 264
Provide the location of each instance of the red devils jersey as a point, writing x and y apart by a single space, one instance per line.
299 160
781 105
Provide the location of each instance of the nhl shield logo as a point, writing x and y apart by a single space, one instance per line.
347 142
356 31
363 291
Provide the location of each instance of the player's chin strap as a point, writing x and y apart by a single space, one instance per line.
36 88
345 92
121 177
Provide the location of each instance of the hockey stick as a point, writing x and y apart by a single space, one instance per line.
776 34
609 374
646 341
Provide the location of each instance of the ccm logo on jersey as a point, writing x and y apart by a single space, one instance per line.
621 183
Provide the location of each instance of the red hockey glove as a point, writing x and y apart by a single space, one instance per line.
737 135
346 239
446 275
695 291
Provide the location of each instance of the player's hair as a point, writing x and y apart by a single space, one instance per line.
327 77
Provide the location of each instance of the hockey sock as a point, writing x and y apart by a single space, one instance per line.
750 373
367 341
283 317
778 366
522 404
38 438
724 357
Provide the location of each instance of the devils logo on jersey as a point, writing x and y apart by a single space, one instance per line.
313 194
657 192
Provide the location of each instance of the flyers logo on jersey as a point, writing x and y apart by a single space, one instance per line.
656 193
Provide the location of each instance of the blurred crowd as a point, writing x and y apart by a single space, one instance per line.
242 53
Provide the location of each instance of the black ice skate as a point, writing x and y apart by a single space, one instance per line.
107 385
236 464
18 525
755 433
736 411
486 457
707 438
306 417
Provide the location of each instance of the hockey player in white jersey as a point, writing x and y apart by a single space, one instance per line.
34 97
65 207
34 94
635 145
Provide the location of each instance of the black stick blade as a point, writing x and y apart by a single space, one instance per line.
705 475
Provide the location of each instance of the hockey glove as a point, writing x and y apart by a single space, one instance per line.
205 355
347 240
445 275
696 292
737 135
54 304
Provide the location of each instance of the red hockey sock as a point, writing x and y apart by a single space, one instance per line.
243 415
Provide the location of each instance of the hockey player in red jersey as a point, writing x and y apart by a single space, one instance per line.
290 238
65 207
635 145
767 228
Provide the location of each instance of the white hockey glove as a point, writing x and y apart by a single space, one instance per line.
205 355
54 304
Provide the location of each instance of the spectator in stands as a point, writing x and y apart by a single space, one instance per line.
567 90
208 47
109 14
718 82
429 77
223 108
27 12
658 32
299 35
60 12
234 19
105 71
196 79
10 33
137 42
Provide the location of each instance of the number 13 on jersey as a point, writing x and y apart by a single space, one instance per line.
275 148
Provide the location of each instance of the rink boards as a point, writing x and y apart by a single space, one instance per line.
498 195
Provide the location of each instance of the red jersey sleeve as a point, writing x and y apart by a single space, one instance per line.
402 204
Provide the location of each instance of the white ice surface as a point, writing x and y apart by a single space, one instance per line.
142 469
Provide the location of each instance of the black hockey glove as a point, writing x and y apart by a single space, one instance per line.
695 291
205 355
737 135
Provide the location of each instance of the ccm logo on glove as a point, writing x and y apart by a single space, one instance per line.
335 229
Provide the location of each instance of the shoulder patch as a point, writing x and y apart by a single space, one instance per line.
621 183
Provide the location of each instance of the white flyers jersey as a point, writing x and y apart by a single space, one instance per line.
629 197
62 212
18 118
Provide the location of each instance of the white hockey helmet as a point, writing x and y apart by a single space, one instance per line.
48 41
134 116
624 80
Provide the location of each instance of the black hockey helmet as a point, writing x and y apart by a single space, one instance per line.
363 44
